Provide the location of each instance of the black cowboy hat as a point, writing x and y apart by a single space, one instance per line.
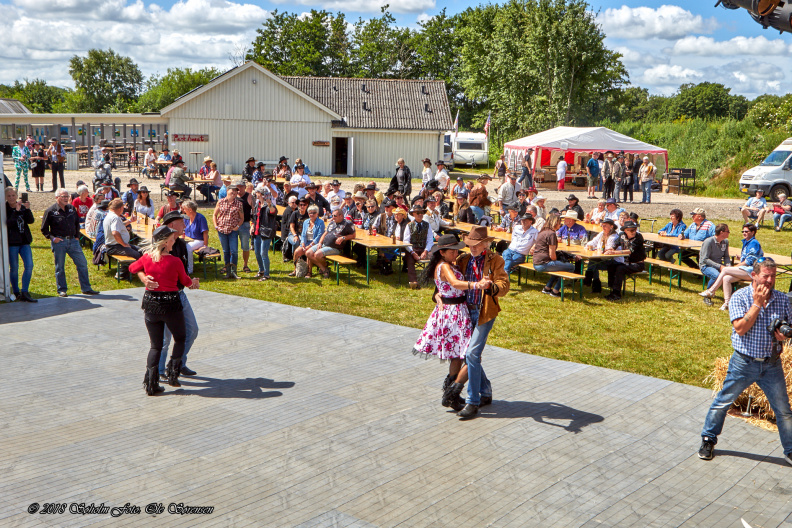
133 181
171 216
162 233
449 241
282 159
143 188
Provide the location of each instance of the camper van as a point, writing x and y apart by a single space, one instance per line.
773 175
469 148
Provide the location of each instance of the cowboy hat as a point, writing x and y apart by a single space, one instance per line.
133 181
426 160
484 177
570 214
251 158
208 158
417 209
477 235
360 195
449 241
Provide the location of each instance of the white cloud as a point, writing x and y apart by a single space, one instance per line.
367 6
632 56
666 75
709 47
668 22
191 33
749 77
423 18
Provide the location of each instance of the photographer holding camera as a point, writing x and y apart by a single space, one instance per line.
759 315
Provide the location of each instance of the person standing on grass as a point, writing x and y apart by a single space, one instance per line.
57 158
757 347
162 305
61 226
714 256
228 218
262 229
181 251
447 332
18 218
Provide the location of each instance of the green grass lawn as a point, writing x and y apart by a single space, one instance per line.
670 335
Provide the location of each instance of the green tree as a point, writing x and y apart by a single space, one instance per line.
102 78
163 90
705 100
380 50
36 95
314 45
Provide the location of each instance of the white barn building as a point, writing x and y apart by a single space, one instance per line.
338 126
351 127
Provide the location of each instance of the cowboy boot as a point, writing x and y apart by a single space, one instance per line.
174 369
451 396
449 379
151 382
596 286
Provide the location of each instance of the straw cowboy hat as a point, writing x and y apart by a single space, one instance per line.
477 235
208 158
571 214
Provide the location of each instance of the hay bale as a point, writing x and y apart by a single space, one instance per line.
759 404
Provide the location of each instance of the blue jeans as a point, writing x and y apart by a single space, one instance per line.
261 249
646 188
711 273
478 383
780 219
478 211
554 265
191 331
207 189
14 252
512 258
73 249
668 253
230 244
741 374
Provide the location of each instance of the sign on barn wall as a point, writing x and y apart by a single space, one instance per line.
190 137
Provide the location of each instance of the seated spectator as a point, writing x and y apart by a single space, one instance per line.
335 205
755 208
83 202
782 212
117 234
606 242
293 229
130 195
545 257
108 192
751 252
700 230
459 188
632 244
178 179
339 231
714 256
223 191
523 238
433 216
96 216
212 176
612 210
399 199
442 205
299 161
539 222
314 198
195 227
144 206
674 228
249 169
150 164
287 193
171 205
283 170
571 230
462 211
573 204
312 232
597 214
177 156
539 203
164 156
299 180
420 236
258 175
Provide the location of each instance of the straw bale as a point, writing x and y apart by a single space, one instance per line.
759 404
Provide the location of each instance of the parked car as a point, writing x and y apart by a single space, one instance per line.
773 175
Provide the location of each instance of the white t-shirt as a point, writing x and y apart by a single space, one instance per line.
426 175
561 169
442 178
113 222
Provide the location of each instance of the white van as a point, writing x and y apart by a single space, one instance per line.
469 148
773 175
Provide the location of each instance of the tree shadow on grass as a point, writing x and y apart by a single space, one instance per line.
548 413
247 388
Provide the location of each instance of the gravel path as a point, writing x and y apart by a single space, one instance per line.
717 208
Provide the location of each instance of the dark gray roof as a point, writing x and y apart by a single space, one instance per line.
379 103
12 106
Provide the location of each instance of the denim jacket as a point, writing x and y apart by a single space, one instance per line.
318 230
672 231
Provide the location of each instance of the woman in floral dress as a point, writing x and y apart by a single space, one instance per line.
448 329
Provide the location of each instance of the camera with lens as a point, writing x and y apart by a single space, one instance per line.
782 326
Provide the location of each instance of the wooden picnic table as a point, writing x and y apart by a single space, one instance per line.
375 242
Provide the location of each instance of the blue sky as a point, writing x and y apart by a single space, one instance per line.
664 44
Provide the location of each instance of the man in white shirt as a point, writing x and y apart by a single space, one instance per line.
755 208
336 191
116 233
507 194
523 238
613 210
442 176
433 216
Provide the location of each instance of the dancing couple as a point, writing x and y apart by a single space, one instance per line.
467 290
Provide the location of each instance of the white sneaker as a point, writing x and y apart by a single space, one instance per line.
706 293
725 307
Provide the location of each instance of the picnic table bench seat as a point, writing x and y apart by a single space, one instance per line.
563 275
675 271
340 260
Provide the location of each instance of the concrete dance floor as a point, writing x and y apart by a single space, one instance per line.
313 419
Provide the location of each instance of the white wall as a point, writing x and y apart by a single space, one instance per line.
377 151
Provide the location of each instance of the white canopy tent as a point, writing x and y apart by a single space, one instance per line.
574 139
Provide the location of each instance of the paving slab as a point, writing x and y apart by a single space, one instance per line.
339 425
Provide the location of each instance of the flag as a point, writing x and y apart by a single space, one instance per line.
487 126
456 125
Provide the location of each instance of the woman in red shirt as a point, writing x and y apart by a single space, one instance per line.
162 305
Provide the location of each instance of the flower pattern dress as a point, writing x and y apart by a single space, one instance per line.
447 332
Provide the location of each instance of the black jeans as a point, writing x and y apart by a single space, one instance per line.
118 249
155 324
618 271
57 169
627 188
607 191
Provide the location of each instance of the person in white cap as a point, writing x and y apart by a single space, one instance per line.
647 176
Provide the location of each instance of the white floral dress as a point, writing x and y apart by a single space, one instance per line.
447 332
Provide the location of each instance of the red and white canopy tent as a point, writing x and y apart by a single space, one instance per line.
574 139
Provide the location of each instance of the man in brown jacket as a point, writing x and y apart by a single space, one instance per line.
480 263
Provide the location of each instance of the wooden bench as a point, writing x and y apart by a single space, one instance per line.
563 275
340 260
120 259
675 271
